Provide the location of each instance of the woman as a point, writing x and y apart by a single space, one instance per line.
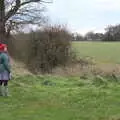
4 70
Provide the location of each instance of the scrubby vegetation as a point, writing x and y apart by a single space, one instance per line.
45 49
49 48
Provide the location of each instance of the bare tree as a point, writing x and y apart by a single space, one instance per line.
19 12
112 33
89 36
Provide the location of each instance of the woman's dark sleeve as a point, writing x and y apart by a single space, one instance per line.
7 63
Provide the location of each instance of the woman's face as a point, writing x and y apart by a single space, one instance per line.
5 49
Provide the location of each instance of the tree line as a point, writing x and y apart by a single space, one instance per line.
112 33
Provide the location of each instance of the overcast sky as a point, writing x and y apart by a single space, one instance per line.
85 15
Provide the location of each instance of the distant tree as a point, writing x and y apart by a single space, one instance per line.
98 36
112 33
18 12
78 37
91 36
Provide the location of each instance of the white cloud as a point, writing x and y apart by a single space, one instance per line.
109 5
85 15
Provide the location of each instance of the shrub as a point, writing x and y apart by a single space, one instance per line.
49 48
18 46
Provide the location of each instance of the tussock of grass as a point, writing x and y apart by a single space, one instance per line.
19 68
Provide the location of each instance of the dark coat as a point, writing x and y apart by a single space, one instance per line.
4 66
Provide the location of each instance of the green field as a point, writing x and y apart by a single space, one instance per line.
61 98
104 52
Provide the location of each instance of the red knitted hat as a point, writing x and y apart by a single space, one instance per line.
2 47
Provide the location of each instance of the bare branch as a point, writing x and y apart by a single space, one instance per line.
13 10
30 1
22 12
45 1
18 5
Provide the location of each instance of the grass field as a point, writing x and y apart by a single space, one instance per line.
50 97
104 52
60 98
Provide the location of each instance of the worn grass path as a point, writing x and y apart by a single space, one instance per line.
61 98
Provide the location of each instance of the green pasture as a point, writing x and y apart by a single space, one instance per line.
104 52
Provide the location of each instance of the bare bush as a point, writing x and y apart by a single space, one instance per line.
50 47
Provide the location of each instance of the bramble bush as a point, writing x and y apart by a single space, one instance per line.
49 48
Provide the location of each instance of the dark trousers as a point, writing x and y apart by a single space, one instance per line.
3 82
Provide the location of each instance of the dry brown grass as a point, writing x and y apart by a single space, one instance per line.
75 69
19 68
95 69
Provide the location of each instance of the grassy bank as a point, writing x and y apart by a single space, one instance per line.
61 98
